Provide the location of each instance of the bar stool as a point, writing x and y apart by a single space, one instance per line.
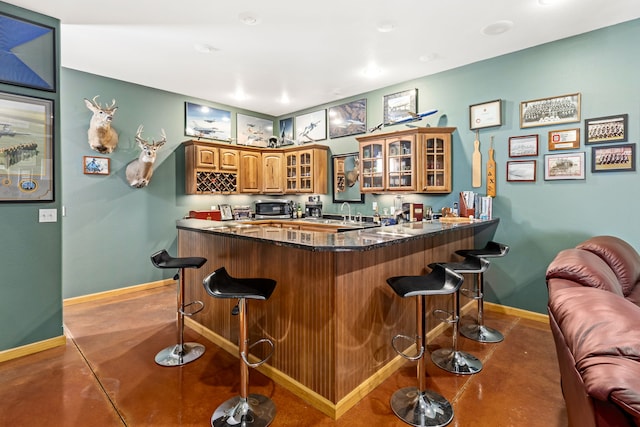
452 359
181 353
246 409
480 332
420 406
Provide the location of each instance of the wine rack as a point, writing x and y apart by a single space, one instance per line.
216 182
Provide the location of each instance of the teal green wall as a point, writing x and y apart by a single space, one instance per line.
30 256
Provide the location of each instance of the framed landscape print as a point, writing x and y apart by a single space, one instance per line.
207 122
312 127
397 105
526 145
550 111
611 158
606 129
286 131
564 166
521 171
95 165
348 119
26 149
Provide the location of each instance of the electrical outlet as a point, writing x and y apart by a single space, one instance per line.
47 215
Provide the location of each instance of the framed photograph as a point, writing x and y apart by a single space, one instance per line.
606 129
346 172
348 119
613 158
397 105
312 127
226 212
485 115
28 56
565 139
207 122
253 130
521 146
286 132
95 165
550 111
26 149
521 171
564 166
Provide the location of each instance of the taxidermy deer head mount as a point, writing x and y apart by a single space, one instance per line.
102 137
139 171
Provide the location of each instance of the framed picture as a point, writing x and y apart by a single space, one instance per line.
26 149
485 115
564 139
550 111
526 145
397 105
613 158
95 165
606 129
253 130
226 212
28 54
312 127
207 122
564 166
346 173
286 131
348 119
521 171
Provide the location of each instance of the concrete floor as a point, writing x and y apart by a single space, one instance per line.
106 376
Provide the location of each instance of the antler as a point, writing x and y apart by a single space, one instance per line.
139 134
97 104
163 140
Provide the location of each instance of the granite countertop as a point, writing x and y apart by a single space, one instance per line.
355 239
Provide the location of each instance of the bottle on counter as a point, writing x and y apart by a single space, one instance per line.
376 215
299 212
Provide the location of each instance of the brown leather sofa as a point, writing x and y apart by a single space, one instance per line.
594 313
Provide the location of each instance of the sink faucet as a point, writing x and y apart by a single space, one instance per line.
349 210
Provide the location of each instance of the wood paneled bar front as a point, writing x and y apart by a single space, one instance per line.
332 316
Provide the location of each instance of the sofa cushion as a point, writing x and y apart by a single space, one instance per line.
595 322
585 268
621 257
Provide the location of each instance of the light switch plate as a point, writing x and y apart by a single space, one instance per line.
48 215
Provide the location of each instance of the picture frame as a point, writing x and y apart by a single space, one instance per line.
286 132
253 131
606 129
525 145
485 115
565 166
348 119
550 111
226 213
311 127
613 158
26 149
202 121
29 56
346 174
565 139
397 105
521 171
93 165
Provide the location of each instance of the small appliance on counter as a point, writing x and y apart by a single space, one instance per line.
274 209
241 212
313 209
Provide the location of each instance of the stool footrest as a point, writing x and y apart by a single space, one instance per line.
191 313
445 316
401 353
245 357
475 295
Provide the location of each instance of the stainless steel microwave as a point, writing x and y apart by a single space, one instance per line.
274 208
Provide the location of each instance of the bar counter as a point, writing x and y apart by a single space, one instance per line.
332 314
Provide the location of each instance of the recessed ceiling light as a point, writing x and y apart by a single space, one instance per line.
385 27
547 2
372 71
497 28
428 57
204 48
284 99
249 18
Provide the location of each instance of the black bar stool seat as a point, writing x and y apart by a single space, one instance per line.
419 406
181 353
452 359
246 409
478 331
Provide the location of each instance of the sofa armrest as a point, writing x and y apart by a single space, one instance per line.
584 268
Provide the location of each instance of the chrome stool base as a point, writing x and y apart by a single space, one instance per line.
426 408
481 333
172 356
255 411
456 362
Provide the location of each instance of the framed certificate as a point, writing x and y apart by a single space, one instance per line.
485 115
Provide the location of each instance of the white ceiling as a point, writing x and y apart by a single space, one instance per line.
314 53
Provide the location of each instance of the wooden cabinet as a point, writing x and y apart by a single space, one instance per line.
210 169
250 171
272 168
416 160
305 170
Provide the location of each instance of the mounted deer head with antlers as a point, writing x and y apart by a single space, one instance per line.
102 137
139 171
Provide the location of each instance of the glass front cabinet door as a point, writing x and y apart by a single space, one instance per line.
372 170
401 164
